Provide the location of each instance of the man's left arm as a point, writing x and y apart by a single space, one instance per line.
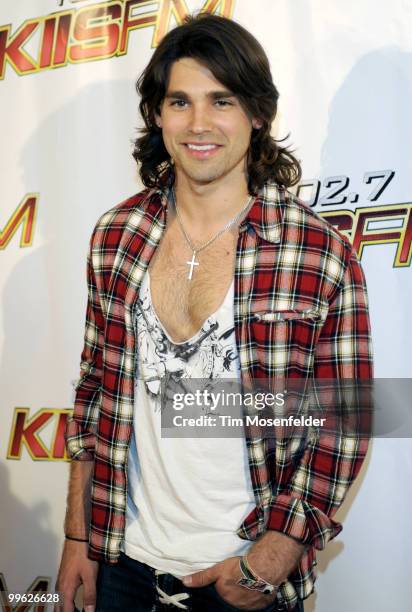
333 458
301 515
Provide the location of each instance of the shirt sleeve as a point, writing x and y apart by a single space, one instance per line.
331 459
80 433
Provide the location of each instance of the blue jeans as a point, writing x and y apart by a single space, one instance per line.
131 586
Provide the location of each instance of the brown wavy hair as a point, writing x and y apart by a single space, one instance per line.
238 61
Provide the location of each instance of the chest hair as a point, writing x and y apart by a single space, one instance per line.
183 305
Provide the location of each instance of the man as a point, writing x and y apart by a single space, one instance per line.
214 271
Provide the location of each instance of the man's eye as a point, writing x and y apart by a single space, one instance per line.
178 103
223 103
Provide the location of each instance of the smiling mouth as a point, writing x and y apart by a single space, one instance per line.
201 151
201 147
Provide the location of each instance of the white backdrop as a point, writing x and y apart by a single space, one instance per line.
344 71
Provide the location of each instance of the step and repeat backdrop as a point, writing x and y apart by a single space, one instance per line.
68 117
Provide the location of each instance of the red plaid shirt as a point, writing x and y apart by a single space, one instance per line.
289 261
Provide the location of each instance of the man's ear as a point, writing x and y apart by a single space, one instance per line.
257 123
158 121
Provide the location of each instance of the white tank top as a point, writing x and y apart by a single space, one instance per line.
186 496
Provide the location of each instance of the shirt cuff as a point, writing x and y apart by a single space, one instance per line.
302 521
79 444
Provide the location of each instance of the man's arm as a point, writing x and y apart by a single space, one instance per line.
332 459
77 519
81 426
75 567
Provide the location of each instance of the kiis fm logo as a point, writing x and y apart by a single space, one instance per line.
372 225
25 433
24 215
93 32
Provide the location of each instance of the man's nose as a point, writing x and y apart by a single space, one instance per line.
200 120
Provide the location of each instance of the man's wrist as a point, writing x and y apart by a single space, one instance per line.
252 581
75 538
275 555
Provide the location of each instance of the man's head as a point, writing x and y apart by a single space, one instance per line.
209 82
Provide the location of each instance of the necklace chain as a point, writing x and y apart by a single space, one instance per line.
219 233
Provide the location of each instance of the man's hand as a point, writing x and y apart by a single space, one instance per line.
76 569
273 557
224 575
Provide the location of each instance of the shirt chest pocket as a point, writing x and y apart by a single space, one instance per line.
285 340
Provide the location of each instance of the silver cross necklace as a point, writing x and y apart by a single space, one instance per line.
192 263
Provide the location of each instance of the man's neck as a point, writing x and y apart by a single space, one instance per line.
207 206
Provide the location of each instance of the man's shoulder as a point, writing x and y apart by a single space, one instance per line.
120 214
299 212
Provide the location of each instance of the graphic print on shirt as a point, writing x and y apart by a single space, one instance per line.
208 355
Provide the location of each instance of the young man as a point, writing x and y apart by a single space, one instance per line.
214 271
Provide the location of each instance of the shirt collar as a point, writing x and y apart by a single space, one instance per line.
265 214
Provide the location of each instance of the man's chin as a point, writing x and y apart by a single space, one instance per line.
204 178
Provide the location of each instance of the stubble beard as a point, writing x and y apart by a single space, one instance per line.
204 176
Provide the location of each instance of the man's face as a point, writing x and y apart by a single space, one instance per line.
205 130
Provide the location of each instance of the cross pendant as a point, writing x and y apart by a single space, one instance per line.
192 263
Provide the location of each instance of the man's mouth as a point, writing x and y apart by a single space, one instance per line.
201 147
201 150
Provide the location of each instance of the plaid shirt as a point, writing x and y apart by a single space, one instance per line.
289 262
